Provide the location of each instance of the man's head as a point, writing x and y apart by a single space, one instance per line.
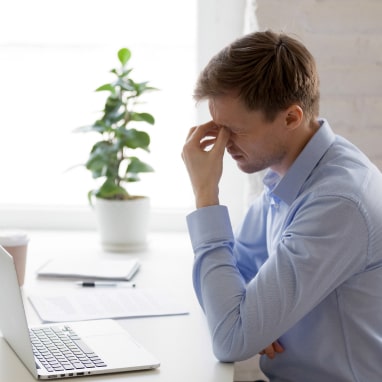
269 72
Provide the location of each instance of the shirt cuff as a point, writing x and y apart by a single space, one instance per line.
209 224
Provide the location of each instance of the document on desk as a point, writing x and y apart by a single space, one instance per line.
96 303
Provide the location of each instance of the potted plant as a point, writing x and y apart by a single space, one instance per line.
113 160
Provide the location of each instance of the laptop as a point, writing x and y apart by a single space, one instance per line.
69 349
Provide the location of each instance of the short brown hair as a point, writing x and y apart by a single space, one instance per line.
269 71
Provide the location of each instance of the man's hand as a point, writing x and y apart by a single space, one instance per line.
203 156
271 350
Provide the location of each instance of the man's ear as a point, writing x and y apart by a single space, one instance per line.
293 117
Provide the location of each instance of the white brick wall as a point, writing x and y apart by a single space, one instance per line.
345 37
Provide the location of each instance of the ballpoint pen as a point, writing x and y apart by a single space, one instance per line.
94 284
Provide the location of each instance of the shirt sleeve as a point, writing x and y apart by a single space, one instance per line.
324 243
250 249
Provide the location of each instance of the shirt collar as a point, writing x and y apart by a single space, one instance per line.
288 187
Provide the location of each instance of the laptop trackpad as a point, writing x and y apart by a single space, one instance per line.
116 346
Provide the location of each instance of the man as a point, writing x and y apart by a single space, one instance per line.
301 282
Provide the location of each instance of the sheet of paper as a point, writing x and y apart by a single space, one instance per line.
96 303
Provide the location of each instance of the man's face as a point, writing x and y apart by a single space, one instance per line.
255 144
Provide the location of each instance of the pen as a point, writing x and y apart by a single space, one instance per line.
93 284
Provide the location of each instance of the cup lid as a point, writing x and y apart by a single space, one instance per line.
10 238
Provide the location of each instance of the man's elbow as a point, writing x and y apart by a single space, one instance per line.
230 351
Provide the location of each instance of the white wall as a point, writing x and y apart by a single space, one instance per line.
345 36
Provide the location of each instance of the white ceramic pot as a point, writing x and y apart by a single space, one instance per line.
123 224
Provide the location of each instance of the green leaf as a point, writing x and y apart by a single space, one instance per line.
106 87
112 105
134 138
142 87
137 166
146 117
125 84
103 160
124 55
111 190
125 73
90 196
116 116
98 126
132 178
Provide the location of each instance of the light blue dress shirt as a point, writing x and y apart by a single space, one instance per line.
305 268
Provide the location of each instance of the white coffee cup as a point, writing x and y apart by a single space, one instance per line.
16 244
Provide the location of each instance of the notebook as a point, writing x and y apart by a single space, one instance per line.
92 347
88 268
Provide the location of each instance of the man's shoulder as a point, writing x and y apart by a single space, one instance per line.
344 172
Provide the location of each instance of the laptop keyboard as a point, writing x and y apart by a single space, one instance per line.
61 349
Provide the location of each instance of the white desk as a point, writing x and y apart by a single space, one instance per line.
181 343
